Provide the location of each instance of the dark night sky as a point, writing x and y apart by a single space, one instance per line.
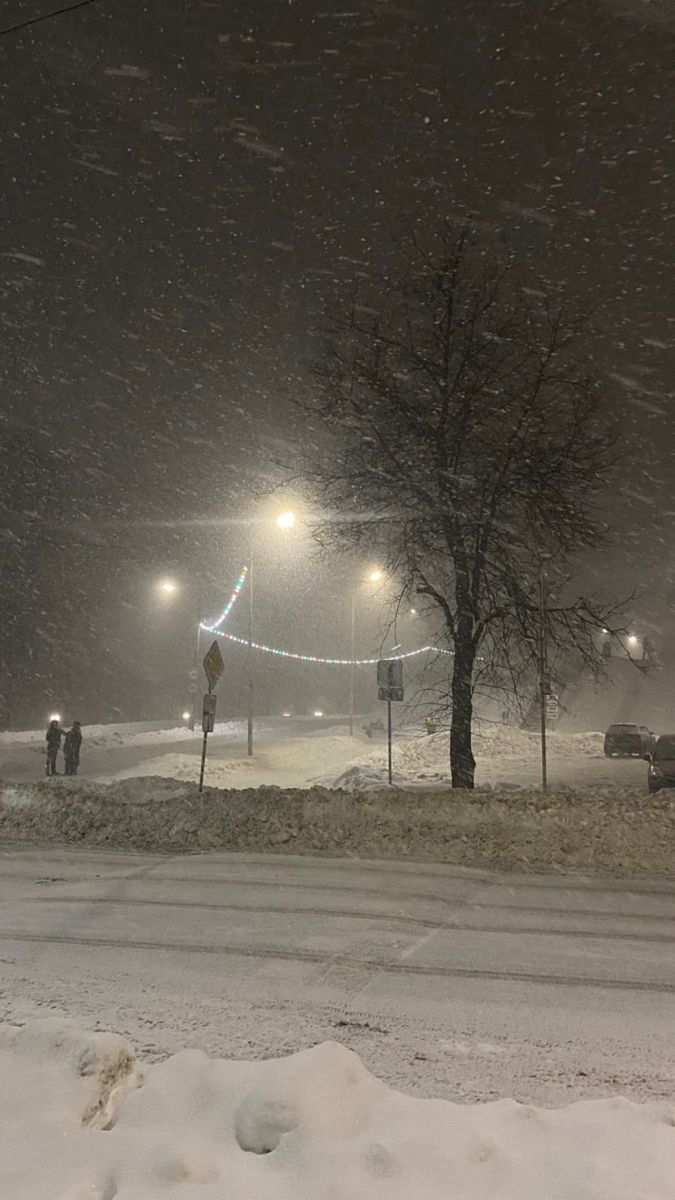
184 185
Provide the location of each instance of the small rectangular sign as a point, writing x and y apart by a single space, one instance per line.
209 713
390 679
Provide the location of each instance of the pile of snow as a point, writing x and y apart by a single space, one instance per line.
498 749
621 832
289 763
80 1119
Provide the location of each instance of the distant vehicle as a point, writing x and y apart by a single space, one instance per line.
662 763
628 741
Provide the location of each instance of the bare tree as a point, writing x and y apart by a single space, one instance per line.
467 444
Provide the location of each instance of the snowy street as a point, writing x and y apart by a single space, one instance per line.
447 982
300 751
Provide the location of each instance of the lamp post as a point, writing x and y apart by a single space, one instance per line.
374 577
285 520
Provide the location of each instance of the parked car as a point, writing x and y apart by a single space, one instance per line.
628 741
662 763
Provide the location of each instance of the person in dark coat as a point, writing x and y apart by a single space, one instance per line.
71 748
53 739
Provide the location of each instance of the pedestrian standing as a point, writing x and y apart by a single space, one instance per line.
53 739
71 748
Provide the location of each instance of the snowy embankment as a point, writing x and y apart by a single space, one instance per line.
79 1117
619 832
503 755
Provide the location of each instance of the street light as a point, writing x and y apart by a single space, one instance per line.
285 520
56 717
374 576
187 716
168 587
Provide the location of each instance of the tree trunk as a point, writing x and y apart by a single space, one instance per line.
462 761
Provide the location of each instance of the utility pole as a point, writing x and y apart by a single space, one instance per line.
352 670
543 681
249 740
194 675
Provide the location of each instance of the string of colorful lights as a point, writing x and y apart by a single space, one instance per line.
315 658
214 627
230 604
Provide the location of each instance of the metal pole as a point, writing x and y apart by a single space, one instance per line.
249 745
203 762
389 762
201 769
543 683
193 721
352 676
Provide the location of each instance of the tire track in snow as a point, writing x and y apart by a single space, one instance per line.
387 918
321 958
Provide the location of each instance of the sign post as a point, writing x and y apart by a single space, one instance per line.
213 669
390 688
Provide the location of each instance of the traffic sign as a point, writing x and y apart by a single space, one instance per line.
390 679
208 713
213 665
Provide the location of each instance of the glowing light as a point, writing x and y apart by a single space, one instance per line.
375 576
231 602
632 640
214 627
286 714
316 658
413 612
286 520
605 631
318 712
168 587
55 717
186 716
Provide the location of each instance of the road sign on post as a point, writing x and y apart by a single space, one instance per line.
389 688
209 713
213 665
390 679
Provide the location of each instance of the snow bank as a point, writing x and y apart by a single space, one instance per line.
79 1118
497 748
619 832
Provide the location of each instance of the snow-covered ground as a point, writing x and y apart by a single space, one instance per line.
80 1118
293 754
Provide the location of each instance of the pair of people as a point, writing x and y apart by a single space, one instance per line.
71 747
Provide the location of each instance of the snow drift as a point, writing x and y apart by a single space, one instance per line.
623 833
80 1118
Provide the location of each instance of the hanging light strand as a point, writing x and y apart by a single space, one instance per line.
230 604
316 658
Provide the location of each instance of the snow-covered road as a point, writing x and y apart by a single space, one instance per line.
446 981
300 751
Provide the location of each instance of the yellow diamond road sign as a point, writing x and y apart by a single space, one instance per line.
213 664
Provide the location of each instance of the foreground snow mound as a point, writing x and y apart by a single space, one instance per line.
79 1118
624 833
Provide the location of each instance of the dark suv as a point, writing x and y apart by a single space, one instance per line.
628 741
662 763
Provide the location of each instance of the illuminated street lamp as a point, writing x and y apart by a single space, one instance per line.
167 587
286 520
56 717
